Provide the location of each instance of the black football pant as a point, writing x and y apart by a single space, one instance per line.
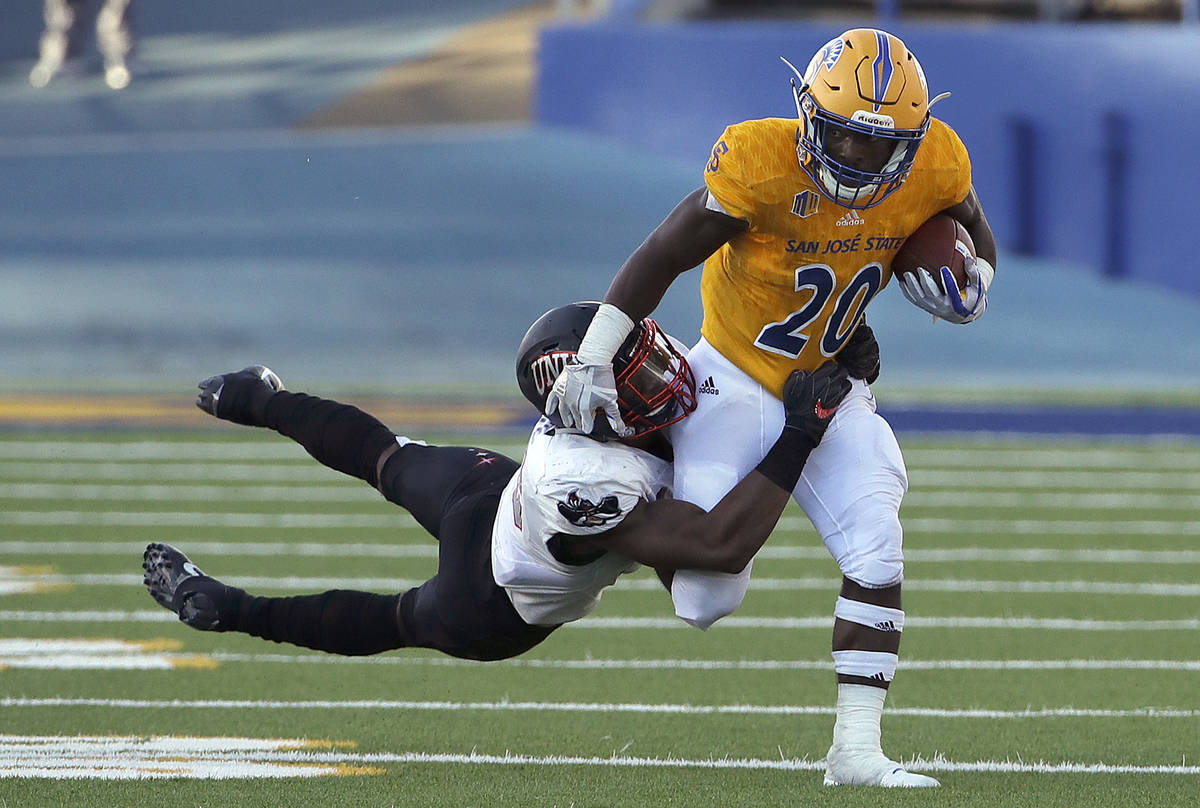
453 492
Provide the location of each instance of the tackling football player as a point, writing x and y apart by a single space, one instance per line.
797 226
522 548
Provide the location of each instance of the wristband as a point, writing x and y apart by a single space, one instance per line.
986 272
785 460
607 332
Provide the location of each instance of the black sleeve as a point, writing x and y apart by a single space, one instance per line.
340 436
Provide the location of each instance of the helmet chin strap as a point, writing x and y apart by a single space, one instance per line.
843 193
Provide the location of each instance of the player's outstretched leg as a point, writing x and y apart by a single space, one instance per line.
340 621
179 585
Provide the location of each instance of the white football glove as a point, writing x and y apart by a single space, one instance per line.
579 391
953 307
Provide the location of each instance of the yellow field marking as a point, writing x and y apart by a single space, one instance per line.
78 409
193 662
321 743
66 409
14 580
337 769
158 644
43 588
130 757
30 569
97 653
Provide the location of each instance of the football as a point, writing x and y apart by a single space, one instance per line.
940 242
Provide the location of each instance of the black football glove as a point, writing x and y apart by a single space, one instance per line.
860 355
810 399
239 397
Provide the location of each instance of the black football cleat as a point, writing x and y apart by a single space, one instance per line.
179 585
239 397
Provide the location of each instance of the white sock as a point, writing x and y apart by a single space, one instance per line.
859 710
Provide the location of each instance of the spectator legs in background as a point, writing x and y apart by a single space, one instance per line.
62 40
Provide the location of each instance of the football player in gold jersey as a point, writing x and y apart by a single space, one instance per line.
797 226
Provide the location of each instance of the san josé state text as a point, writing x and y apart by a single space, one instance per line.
845 245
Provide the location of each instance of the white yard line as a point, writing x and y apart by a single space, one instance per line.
647 584
106 662
1024 500
583 707
723 664
95 654
142 758
219 548
918 764
1056 455
1103 480
1101 526
91 616
183 451
209 470
391 521
157 757
304 470
910 620
151 450
189 493
429 549
949 498
823 622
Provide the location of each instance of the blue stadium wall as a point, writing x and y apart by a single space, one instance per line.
1083 138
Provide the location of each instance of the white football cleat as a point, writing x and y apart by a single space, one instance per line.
850 766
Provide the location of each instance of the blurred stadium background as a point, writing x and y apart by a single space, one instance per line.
380 197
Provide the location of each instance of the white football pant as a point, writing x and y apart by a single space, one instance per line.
851 488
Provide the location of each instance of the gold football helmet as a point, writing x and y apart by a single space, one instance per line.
864 108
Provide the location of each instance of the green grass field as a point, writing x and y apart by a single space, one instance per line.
1050 656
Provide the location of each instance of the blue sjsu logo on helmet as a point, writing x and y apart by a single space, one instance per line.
831 53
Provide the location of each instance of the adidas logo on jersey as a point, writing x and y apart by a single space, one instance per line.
709 386
851 219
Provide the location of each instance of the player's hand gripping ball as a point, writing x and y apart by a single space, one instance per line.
940 242
938 271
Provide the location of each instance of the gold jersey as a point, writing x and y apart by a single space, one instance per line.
790 291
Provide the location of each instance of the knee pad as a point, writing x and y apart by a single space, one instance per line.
873 551
876 573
